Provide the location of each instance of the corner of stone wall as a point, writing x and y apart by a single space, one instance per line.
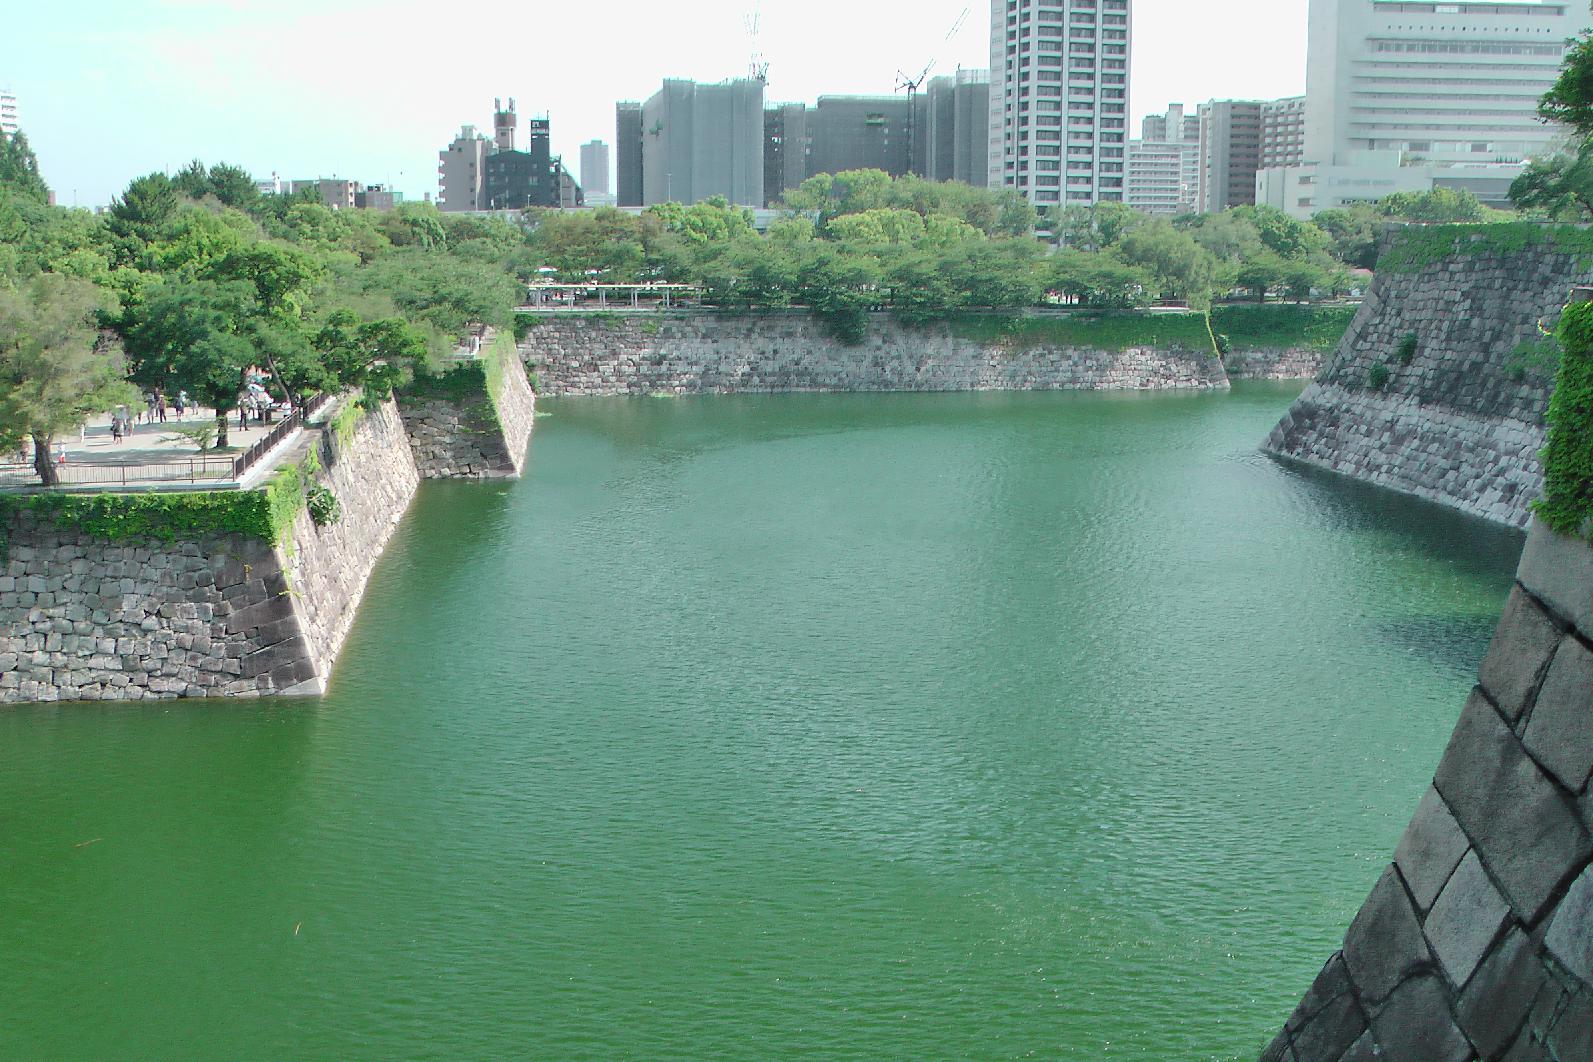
1458 420
374 478
1477 942
480 435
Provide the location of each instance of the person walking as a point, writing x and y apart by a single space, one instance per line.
116 429
182 404
160 405
149 407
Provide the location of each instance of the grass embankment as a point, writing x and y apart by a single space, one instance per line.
1246 327
1417 247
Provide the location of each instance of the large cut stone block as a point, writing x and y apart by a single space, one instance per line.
1560 733
1570 937
1415 1026
1384 945
1496 1002
1330 984
1331 1032
1559 572
1431 849
1525 829
1523 646
1463 923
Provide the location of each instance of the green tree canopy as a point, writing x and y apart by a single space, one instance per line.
56 366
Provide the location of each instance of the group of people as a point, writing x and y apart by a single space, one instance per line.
154 412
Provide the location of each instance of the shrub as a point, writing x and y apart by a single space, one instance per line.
1224 344
1378 377
1567 504
1407 349
325 509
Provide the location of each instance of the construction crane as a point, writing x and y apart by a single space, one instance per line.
911 85
759 67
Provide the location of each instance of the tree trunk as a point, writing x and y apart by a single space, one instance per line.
221 429
44 459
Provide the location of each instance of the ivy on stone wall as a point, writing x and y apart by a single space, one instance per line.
1567 504
117 517
1419 247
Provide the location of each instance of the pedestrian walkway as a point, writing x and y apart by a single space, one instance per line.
152 453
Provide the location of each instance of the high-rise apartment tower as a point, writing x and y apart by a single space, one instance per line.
1059 83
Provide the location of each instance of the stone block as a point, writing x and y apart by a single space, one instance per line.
1331 1031
1279 1050
1496 1002
1523 646
1560 731
1526 831
1570 936
1463 923
1384 945
1415 1024
1559 572
1572 1034
1330 984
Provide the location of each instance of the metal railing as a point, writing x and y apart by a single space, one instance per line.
295 421
104 474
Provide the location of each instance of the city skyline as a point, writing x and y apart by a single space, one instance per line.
169 86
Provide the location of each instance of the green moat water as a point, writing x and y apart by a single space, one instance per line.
908 727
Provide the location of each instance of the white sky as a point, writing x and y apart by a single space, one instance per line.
372 90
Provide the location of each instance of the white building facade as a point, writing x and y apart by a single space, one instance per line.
1059 85
1409 95
10 114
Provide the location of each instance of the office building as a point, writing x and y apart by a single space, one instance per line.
1161 178
1230 154
700 141
475 173
786 149
628 154
1442 83
952 134
1059 81
1164 164
1174 126
860 133
10 114
333 192
1283 132
377 197
461 170
594 167
1406 96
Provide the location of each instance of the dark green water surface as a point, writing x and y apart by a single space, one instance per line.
891 727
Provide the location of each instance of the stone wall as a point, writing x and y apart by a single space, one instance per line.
374 478
1274 363
1477 941
717 353
1462 423
474 432
83 618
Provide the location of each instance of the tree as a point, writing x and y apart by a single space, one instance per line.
194 334
1353 233
233 186
1560 186
145 209
1570 101
19 169
1096 227
56 367
1441 206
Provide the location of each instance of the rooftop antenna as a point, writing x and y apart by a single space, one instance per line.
759 67
912 84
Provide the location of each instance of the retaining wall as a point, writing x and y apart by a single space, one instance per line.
479 432
1477 941
83 618
718 353
1461 423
